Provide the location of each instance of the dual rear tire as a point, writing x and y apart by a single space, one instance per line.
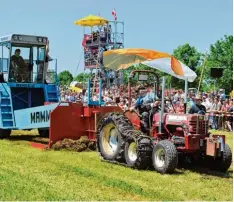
119 141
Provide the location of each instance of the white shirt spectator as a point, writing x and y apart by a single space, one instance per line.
107 99
207 104
71 98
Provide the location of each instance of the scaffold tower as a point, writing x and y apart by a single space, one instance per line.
100 38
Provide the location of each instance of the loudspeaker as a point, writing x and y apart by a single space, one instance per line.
216 72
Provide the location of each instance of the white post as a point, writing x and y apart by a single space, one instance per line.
214 85
185 95
162 105
115 33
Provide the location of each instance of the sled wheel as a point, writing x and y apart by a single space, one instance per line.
5 133
43 132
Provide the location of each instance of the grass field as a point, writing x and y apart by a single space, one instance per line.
30 174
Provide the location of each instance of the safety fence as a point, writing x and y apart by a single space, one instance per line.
217 120
220 120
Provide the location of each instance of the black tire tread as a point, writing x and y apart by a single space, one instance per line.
5 133
128 133
171 158
144 151
43 133
111 117
225 162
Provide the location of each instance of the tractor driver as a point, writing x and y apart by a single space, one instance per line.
18 68
197 107
146 106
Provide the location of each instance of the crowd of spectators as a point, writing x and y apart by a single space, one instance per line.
219 106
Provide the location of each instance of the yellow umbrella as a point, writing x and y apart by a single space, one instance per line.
76 89
91 20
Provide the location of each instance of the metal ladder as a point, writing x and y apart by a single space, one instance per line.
6 108
51 93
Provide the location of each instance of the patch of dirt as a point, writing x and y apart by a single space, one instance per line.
82 144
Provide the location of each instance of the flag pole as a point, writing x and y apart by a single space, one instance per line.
202 73
115 23
115 33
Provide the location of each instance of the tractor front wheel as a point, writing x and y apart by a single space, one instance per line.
5 133
224 162
165 157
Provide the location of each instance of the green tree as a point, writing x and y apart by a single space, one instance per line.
65 77
82 77
221 56
189 56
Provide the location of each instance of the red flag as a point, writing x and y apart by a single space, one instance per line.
86 37
114 14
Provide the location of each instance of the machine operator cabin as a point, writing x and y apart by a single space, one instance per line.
23 71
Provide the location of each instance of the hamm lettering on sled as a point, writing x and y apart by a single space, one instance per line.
35 117
39 117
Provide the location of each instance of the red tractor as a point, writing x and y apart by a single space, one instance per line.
170 138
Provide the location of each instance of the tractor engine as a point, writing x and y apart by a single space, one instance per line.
198 124
186 131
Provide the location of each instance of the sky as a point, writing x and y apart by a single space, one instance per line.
153 24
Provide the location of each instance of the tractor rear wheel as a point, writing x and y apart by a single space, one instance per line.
138 152
165 157
43 132
109 140
224 162
5 133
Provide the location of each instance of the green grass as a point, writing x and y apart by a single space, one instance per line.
31 174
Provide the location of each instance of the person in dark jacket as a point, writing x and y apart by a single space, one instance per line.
18 67
197 107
